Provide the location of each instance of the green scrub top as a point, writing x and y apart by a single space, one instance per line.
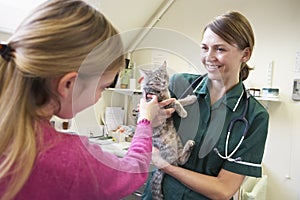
208 127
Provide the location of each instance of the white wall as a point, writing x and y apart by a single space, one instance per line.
4 36
13 12
277 29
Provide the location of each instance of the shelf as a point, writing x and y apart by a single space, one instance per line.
125 91
275 99
267 101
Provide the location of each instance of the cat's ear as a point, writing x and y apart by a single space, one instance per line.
142 72
163 66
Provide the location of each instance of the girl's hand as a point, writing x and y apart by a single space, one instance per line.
148 110
164 113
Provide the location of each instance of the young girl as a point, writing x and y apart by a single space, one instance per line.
58 62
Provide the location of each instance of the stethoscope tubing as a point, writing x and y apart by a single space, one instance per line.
241 118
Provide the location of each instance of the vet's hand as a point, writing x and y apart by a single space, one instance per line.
157 160
149 110
163 113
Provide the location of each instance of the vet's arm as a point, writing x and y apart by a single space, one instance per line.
224 186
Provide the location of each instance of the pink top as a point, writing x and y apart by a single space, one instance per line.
68 167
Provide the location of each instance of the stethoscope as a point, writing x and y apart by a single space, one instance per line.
242 118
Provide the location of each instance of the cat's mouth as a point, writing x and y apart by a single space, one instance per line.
148 94
151 91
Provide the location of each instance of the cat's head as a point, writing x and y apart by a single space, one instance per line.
156 79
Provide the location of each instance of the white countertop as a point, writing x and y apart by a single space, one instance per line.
117 148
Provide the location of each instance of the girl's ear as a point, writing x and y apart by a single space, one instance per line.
66 84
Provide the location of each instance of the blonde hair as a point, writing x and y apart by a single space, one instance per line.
234 28
54 40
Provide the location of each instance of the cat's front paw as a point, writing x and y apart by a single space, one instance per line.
187 150
192 98
179 109
183 114
189 145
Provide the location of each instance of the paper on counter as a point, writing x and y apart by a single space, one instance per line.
114 117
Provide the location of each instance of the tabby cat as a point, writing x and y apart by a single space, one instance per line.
165 137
